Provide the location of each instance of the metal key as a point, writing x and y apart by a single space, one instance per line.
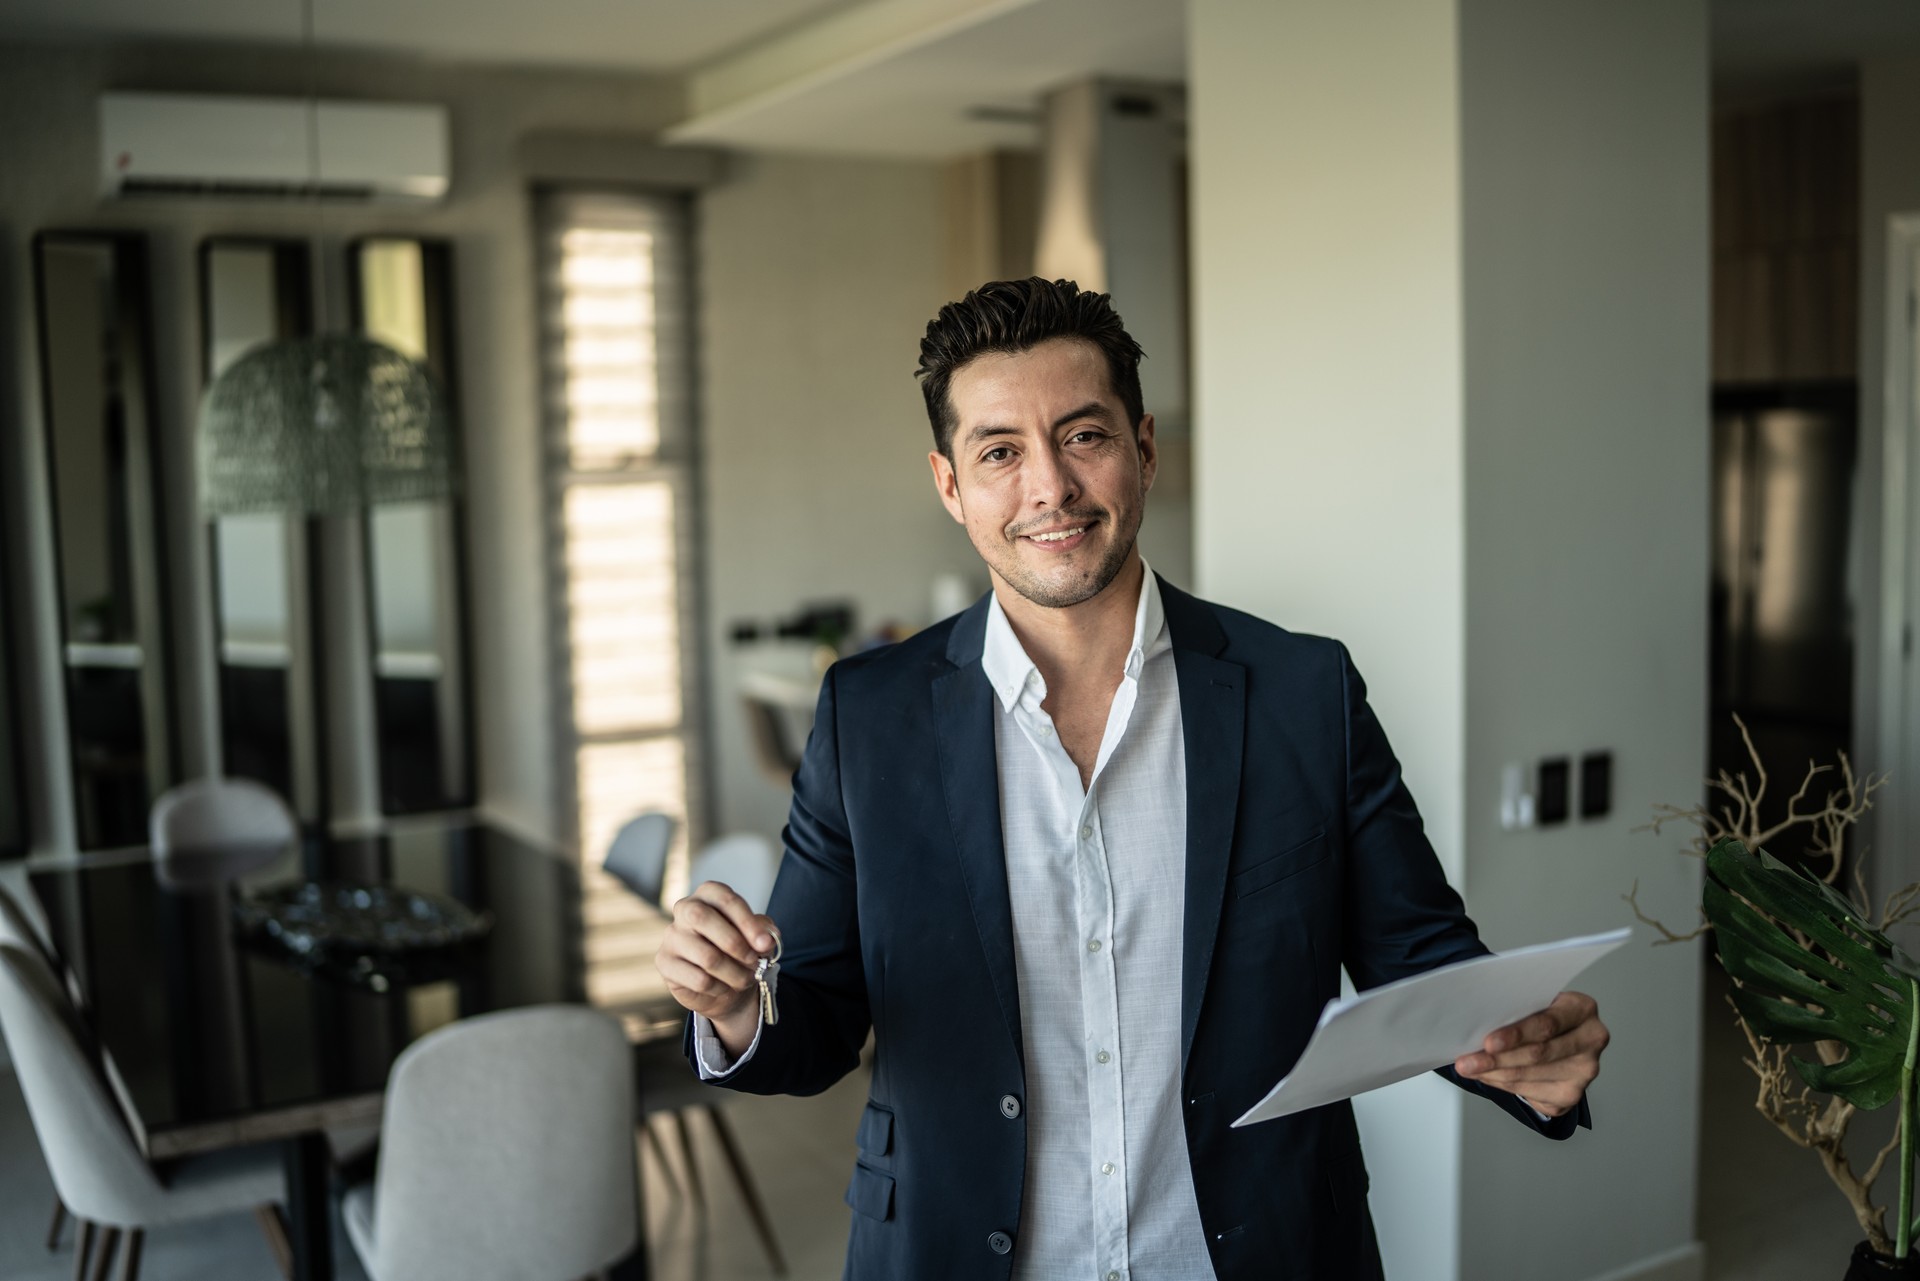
767 975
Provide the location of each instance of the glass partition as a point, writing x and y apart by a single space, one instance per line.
416 567
271 712
96 386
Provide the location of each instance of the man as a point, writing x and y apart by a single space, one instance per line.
1087 859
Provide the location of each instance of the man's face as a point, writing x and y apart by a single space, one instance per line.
1046 473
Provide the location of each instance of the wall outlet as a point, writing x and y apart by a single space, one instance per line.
1516 803
1556 784
1596 784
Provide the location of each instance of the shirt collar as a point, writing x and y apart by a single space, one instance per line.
1012 673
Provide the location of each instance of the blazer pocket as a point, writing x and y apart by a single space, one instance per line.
1297 858
876 1131
1347 1180
871 1193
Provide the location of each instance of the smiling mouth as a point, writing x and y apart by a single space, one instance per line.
1058 535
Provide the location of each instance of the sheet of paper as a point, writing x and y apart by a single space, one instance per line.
1417 1024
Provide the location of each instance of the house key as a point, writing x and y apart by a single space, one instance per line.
767 975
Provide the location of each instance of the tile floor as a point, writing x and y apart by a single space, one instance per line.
1766 1210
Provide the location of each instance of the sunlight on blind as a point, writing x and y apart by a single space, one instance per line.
610 357
622 595
611 279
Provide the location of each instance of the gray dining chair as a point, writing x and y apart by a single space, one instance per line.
507 1153
214 830
668 1087
99 1173
638 856
18 930
746 862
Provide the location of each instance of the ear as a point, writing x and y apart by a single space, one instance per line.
1149 453
946 482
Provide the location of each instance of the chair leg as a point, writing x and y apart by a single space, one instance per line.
693 1163
659 1153
273 1226
82 1249
756 1210
104 1264
59 1222
130 1255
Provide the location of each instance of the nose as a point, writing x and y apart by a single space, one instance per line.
1050 482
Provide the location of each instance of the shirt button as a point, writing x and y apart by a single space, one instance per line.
1009 1108
1102 1057
1107 1168
1000 1243
1113 1276
1085 832
1093 945
1045 730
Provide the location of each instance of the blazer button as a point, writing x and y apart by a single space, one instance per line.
1009 1108
1000 1243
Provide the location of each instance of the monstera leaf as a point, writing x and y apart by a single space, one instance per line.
1854 986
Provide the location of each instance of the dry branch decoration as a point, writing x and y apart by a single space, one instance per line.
1831 799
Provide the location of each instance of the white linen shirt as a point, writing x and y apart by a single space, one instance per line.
1097 882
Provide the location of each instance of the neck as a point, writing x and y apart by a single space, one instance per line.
1090 639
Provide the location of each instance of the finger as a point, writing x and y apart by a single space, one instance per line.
712 922
695 988
1567 1011
1573 1077
1530 1056
756 929
718 956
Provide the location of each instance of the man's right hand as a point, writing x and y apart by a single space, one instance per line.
708 959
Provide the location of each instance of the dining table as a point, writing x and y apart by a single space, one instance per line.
215 1035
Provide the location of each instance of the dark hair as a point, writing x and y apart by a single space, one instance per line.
1015 316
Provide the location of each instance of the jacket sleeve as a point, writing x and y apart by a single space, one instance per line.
1402 918
821 991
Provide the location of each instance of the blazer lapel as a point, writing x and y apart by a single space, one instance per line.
969 771
1213 708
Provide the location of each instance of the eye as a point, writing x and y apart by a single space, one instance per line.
998 454
1084 434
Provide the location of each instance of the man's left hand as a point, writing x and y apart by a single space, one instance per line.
1549 1059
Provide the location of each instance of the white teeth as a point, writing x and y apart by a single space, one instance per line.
1057 535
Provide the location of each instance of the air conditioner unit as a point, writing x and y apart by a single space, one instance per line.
179 144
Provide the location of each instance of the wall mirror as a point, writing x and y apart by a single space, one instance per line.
97 391
416 561
13 790
263 572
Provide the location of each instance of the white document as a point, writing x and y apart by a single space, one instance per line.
1417 1024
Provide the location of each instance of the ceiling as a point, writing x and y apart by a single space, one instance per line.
874 77
636 35
977 86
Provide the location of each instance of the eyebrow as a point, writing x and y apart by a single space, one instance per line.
1092 409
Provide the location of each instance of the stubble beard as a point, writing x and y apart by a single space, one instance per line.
1053 595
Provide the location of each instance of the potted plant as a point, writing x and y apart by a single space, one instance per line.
1814 967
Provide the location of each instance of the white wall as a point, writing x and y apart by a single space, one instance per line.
1584 131
48 160
1451 369
1328 423
818 277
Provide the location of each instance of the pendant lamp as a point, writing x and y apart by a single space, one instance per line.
325 425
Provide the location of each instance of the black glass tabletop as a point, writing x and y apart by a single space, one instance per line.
218 1030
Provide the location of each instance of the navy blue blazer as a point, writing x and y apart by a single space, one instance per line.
1304 853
